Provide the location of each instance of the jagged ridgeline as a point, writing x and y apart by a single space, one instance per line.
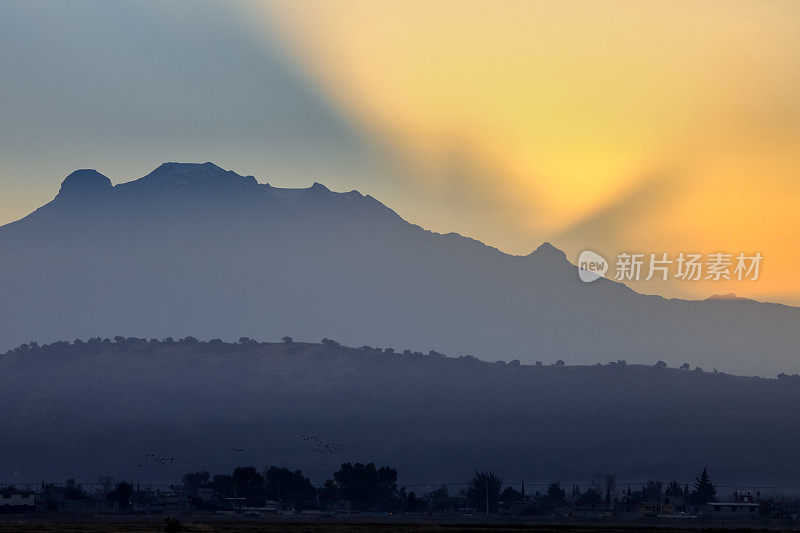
154 410
192 249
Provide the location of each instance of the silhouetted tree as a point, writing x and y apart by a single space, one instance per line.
440 499
74 491
510 494
287 340
107 482
47 496
610 488
193 480
364 485
555 496
412 503
121 494
328 493
652 491
248 483
223 485
590 498
674 489
704 491
282 484
485 488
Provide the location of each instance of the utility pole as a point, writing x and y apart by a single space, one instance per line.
486 483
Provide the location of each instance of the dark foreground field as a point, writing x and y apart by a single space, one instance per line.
387 525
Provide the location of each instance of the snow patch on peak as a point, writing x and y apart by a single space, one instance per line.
193 176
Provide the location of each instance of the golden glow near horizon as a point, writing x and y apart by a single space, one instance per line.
617 126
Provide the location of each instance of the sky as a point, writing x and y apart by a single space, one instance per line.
619 126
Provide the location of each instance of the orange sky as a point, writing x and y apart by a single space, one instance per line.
617 126
657 126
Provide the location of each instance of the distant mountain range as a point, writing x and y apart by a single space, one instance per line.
192 249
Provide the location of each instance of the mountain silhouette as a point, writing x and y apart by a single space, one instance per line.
124 407
193 249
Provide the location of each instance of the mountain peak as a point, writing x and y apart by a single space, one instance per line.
186 176
318 187
173 166
84 182
548 250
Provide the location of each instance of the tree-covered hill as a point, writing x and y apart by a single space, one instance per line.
85 408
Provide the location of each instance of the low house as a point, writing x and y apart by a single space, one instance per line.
651 509
339 506
677 502
205 493
514 507
731 510
170 502
235 504
269 507
13 500
592 511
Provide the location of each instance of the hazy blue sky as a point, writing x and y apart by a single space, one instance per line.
122 87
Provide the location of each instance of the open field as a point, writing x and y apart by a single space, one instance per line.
388 525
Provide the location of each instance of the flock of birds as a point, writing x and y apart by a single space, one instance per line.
321 447
158 459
